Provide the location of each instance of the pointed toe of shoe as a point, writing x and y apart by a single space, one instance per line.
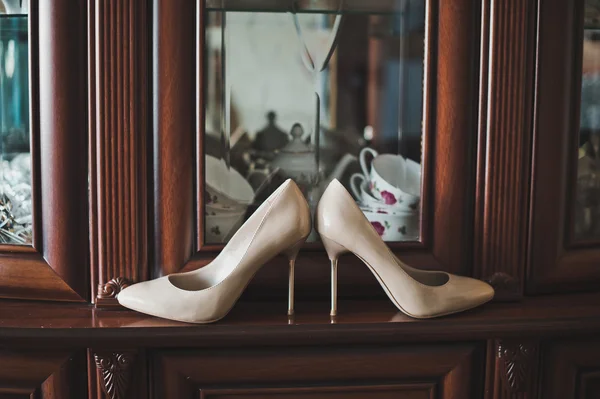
474 292
135 297
486 292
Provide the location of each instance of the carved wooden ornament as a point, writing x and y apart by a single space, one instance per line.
115 369
515 365
112 288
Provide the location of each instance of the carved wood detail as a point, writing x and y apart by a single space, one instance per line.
504 283
503 172
516 368
118 130
115 371
516 359
107 293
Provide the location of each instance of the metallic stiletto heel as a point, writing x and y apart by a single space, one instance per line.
292 254
334 250
334 263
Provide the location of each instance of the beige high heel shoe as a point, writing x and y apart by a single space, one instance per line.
417 293
279 226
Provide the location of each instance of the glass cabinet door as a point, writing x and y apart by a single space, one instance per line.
587 204
43 150
15 155
565 223
378 94
314 92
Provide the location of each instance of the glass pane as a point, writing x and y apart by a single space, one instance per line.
306 93
15 157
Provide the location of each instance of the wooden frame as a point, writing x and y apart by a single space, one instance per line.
449 184
556 265
54 267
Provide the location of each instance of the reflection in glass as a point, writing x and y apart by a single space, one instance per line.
315 93
15 159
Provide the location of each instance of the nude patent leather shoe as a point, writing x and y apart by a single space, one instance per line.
419 294
279 226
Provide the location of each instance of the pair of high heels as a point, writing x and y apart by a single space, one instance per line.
281 225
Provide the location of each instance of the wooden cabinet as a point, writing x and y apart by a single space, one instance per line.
444 371
572 370
119 91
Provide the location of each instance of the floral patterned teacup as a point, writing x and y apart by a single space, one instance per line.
360 189
220 226
392 178
400 226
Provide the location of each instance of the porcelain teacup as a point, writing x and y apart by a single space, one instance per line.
225 186
392 178
400 226
360 188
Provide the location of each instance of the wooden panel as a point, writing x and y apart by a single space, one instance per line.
571 370
503 170
555 264
375 372
174 104
450 106
118 104
117 374
400 391
512 371
57 268
43 375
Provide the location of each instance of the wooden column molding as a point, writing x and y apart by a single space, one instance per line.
504 155
514 369
118 31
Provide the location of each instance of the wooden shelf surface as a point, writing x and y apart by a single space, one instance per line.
267 324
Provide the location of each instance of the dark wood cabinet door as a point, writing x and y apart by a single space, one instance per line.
377 372
54 265
448 160
571 370
41 374
564 238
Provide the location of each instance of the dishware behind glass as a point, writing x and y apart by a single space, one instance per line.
226 185
220 226
363 195
392 178
400 226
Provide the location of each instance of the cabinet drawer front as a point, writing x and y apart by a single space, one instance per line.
571 370
374 372
402 391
